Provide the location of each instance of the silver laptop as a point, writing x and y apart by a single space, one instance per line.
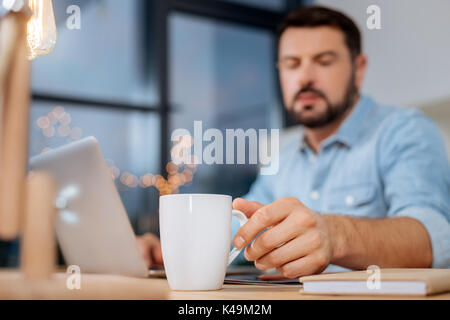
92 226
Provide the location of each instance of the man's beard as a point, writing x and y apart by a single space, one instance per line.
333 110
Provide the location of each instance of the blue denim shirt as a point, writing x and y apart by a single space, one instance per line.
383 162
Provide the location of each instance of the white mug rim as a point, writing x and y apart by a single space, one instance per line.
195 195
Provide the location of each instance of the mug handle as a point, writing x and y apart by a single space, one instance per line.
242 220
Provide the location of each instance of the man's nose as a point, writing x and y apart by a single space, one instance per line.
306 76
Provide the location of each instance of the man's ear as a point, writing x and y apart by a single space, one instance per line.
360 69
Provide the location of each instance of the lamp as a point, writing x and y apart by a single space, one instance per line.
41 28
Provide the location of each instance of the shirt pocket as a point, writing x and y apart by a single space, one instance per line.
360 199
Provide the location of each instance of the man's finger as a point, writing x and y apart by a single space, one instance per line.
292 250
247 207
263 218
157 254
150 247
301 267
274 237
271 277
144 252
154 249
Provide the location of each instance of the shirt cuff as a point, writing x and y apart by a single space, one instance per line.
438 229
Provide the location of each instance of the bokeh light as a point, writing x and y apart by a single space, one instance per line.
177 174
58 112
63 130
49 131
43 122
65 119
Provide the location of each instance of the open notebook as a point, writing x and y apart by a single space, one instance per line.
392 281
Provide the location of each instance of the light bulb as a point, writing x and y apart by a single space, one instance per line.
41 28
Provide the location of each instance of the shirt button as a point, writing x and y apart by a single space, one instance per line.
314 195
349 200
312 158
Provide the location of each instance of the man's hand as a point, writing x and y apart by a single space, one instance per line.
151 249
297 240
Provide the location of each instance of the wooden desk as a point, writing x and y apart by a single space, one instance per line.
257 292
13 286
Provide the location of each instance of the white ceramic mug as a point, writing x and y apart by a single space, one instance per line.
195 232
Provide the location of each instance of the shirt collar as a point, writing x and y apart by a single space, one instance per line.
349 130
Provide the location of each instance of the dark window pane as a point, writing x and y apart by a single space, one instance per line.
224 75
103 60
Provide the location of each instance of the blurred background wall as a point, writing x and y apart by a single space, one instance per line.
409 57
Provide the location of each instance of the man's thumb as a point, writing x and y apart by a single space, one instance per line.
247 207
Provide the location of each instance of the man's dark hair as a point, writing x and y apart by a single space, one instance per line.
317 16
